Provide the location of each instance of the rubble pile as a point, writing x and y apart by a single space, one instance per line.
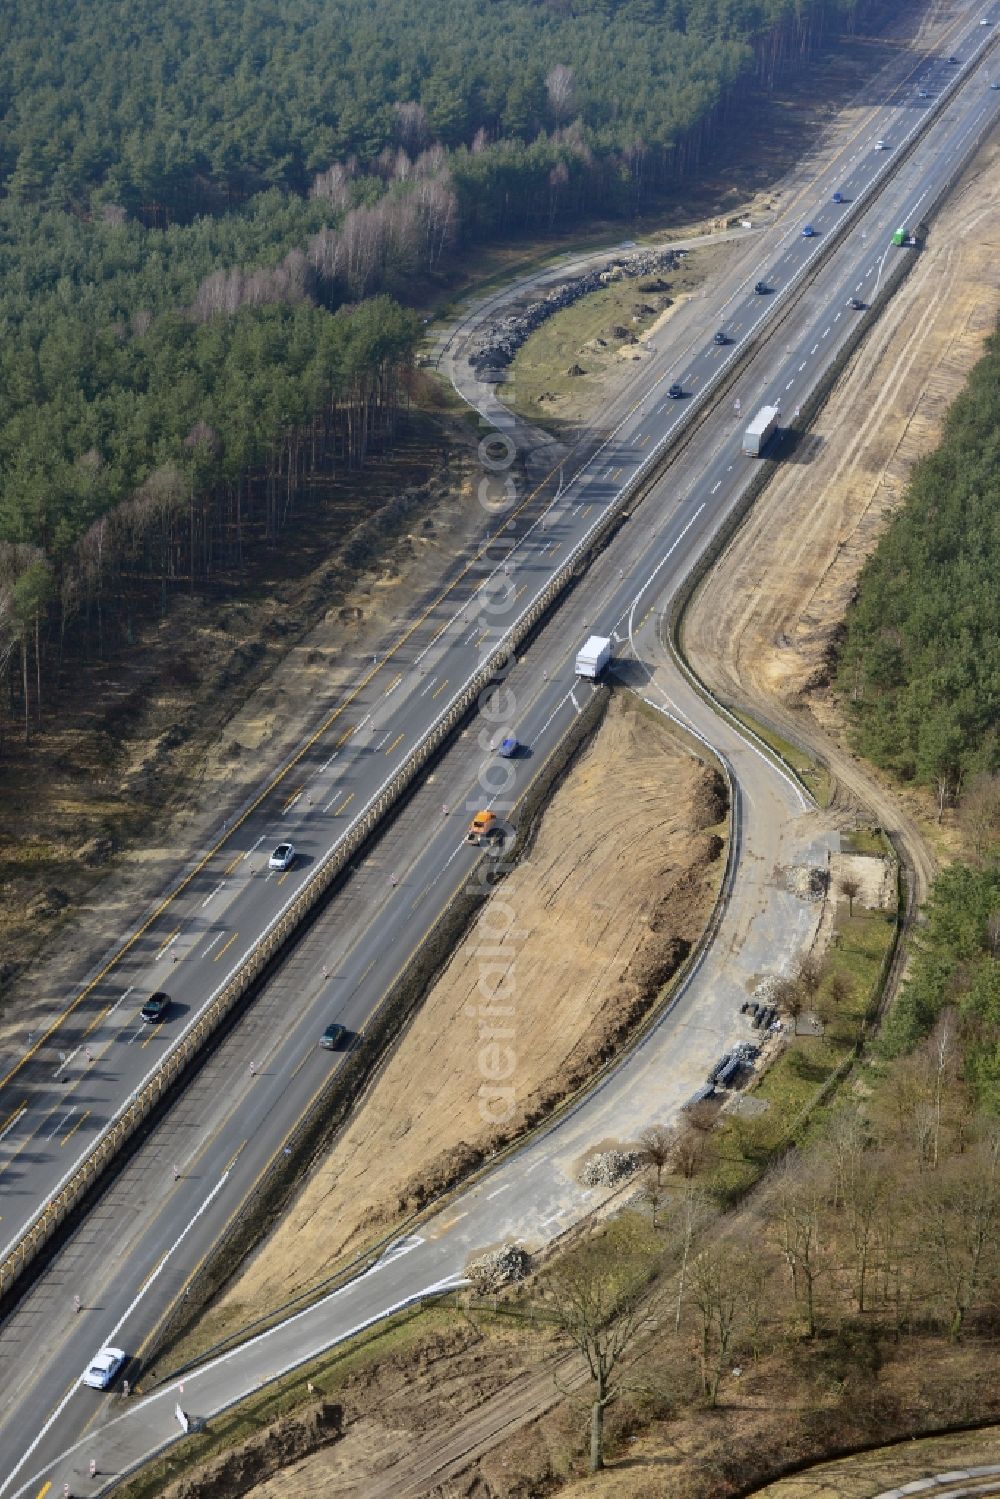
608 1169
499 340
807 882
501 1267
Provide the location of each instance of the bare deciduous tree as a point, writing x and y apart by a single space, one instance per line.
979 813
809 978
561 86
960 1214
796 1213
694 1213
725 1281
850 888
656 1146
595 1298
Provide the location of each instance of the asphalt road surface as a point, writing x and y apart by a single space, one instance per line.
127 1266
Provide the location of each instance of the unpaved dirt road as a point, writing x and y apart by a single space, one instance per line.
610 897
765 641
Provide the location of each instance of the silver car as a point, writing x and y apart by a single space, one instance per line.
282 858
103 1368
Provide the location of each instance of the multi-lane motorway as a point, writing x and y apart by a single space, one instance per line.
54 1106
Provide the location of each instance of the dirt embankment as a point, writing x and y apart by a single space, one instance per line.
615 891
763 629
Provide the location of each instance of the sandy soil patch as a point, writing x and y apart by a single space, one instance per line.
765 623
610 899
875 878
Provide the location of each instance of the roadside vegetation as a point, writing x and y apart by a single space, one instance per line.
919 668
851 1298
195 216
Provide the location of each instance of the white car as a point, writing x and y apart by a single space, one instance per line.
103 1368
882 146
282 858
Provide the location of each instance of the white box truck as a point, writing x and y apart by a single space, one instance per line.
593 657
759 430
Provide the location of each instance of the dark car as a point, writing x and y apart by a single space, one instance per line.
838 198
762 288
333 1037
856 304
808 231
509 747
720 338
995 84
675 392
156 1007
953 61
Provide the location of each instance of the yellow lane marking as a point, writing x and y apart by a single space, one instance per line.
446 592
296 793
345 735
345 803
44 1489
394 684
227 946
235 1156
398 740
438 690
14 1117
72 1132
232 864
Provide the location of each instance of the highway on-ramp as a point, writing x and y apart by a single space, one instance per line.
629 584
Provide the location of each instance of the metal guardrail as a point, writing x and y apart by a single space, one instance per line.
136 1109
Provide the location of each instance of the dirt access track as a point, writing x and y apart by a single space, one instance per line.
766 641
763 627
611 896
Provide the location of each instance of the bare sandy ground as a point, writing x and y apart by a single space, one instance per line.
763 626
610 897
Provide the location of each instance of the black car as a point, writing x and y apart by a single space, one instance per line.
762 288
156 1007
720 338
953 60
333 1037
856 304
675 392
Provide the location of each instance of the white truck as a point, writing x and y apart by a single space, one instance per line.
759 430
593 657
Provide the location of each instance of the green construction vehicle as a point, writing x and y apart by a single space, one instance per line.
904 237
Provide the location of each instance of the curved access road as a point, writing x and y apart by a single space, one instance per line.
52 1427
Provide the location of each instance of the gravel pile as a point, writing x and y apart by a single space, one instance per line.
501 1267
610 1168
807 882
500 340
